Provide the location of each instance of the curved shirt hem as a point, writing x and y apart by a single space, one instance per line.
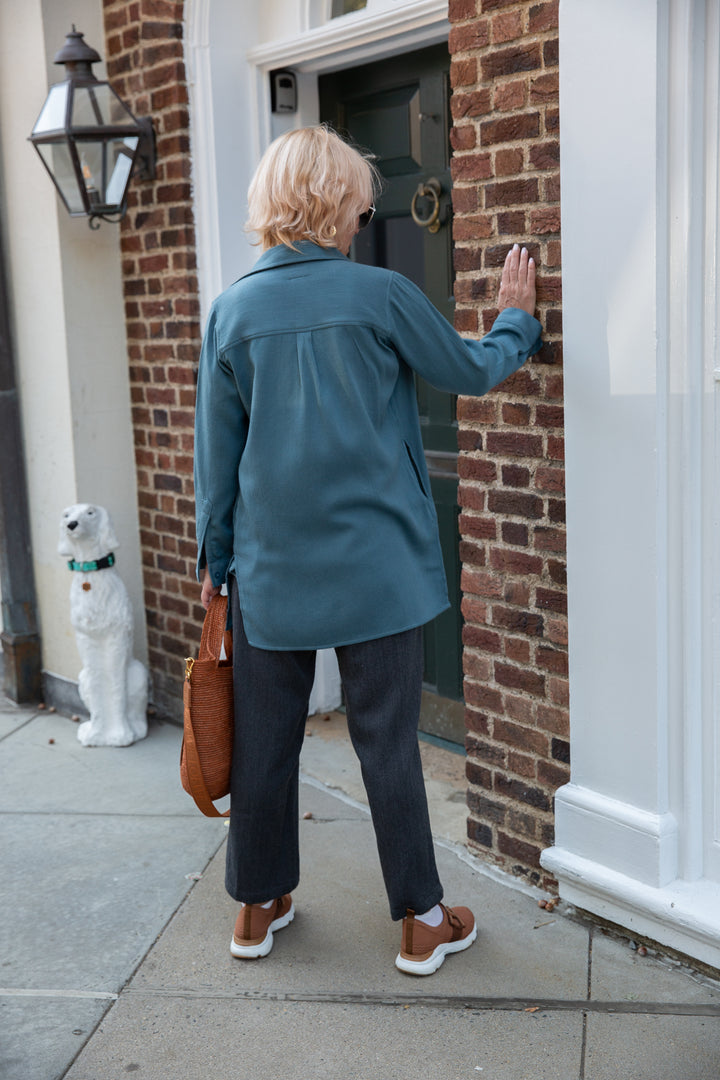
335 644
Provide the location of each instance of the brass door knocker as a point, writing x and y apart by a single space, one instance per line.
431 189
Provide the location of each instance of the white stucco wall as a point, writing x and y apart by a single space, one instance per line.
69 331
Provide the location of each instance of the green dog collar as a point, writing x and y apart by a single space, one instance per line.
97 564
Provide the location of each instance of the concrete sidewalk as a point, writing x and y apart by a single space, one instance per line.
116 931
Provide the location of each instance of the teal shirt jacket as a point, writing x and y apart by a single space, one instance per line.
310 477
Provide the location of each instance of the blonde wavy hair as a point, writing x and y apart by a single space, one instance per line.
310 184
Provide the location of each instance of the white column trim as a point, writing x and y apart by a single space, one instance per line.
640 316
643 844
682 916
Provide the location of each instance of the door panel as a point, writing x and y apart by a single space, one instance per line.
398 109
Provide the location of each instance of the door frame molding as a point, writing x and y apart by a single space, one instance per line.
221 78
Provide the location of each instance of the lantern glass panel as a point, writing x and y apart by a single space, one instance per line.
98 105
52 115
92 156
59 161
122 157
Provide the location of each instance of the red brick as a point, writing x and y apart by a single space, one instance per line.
543 17
482 410
550 540
470 36
483 528
516 503
545 155
480 583
522 765
479 833
516 678
546 220
506 27
465 200
521 792
463 72
483 696
508 162
514 444
461 9
471 167
463 137
559 691
475 103
553 719
516 476
527 57
511 193
550 479
545 88
511 561
550 600
477 667
527 854
510 95
526 622
517 650
552 660
510 129
553 776
487 752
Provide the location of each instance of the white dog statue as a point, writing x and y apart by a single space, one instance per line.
113 685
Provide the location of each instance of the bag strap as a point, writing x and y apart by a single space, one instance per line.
214 634
196 780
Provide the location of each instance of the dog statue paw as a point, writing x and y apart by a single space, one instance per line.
112 685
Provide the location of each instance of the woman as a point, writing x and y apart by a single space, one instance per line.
313 503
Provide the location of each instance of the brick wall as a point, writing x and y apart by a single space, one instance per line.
504 79
144 52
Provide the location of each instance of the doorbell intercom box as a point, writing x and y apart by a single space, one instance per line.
283 86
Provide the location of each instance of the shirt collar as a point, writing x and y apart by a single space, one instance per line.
282 255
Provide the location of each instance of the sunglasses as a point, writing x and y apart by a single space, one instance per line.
366 217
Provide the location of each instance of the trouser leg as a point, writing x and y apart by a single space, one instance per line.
382 680
272 690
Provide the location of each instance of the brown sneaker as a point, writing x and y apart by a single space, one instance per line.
424 947
255 925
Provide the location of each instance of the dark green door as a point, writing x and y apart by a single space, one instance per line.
398 109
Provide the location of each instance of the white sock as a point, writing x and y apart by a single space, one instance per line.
433 917
269 904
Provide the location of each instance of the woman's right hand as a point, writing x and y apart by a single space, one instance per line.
208 589
517 284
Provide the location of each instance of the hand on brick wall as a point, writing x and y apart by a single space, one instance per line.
517 285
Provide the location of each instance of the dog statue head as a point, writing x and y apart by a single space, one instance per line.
86 532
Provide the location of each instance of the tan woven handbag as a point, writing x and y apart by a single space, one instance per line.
208 725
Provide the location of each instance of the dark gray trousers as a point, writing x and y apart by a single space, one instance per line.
382 681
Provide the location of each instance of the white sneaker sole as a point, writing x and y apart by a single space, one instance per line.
436 957
253 952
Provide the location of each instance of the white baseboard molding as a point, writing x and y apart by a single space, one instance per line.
683 915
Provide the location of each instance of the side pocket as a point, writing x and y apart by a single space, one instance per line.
416 469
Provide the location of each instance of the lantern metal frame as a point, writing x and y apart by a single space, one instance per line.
125 147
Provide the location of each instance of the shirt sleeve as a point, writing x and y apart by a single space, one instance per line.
432 347
221 426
